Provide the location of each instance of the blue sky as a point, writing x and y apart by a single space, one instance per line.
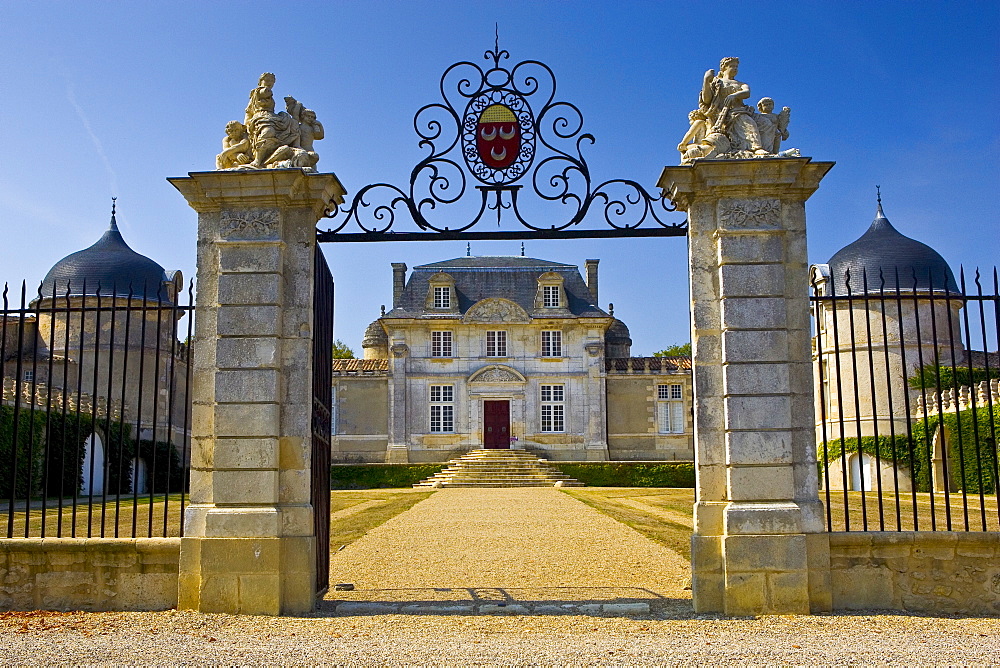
111 98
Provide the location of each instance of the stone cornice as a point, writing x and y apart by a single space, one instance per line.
214 191
763 177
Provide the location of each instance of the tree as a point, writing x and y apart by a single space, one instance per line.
341 351
676 350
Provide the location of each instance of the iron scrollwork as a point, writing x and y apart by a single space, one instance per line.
487 116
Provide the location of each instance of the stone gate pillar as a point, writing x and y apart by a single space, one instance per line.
248 543
754 549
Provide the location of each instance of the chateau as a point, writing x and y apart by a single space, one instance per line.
506 352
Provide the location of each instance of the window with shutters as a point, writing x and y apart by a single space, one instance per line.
670 408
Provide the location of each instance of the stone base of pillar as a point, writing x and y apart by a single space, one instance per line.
397 456
250 576
597 454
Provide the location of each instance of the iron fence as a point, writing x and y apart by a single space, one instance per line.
94 417
906 400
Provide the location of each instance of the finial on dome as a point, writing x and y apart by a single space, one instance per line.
611 309
383 310
468 249
878 198
114 223
522 249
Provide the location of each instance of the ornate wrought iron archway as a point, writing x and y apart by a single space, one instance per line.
508 130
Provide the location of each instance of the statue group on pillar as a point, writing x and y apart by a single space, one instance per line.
269 140
725 127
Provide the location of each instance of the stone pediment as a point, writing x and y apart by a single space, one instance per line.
497 373
496 310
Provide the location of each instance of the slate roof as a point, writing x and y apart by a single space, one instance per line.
883 248
510 277
647 364
110 264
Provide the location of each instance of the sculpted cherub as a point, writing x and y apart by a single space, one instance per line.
309 128
235 147
773 127
699 142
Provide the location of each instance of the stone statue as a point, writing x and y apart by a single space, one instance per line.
773 127
271 140
235 147
724 127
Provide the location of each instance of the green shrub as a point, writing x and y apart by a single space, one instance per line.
54 447
377 476
931 377
630 474
972 449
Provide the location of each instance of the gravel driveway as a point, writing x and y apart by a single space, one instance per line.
531 547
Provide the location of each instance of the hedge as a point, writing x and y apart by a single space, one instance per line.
377 476
972 449
630 474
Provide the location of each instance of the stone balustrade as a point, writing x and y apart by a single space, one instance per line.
982 395
647 365
56 399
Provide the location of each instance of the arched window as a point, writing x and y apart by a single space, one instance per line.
861 472
93 466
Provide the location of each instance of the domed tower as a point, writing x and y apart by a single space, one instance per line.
108 316
617 339
887 306
375 342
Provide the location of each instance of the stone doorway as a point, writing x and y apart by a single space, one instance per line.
496 425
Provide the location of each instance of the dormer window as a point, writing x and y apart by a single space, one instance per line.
551 293
550 296
442 297
441 293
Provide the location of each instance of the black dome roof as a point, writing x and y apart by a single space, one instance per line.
109 266
618 333
883 249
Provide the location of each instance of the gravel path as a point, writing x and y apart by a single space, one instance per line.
526 543
529 546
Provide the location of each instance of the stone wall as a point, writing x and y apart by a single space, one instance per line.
361 410
633 432
89 573
944 572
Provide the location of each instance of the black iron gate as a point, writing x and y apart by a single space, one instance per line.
321 403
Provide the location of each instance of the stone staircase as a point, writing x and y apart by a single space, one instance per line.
498 468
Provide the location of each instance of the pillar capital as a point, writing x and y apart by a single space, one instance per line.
785 178
282 188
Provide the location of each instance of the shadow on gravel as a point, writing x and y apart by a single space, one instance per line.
597 601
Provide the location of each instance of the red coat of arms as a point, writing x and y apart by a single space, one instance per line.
498 136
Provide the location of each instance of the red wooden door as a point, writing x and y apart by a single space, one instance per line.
496 424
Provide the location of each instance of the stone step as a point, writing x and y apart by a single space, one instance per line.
498 468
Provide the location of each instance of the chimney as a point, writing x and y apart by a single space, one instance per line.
592 279
398 281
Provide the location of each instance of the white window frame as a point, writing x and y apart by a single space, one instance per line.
670 415
552 343
442 297
496 343
442 409
442 343
552 417
29 375
550 296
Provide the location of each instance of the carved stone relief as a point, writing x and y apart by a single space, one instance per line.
399 349
751 214
496 310
249 223
496 374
